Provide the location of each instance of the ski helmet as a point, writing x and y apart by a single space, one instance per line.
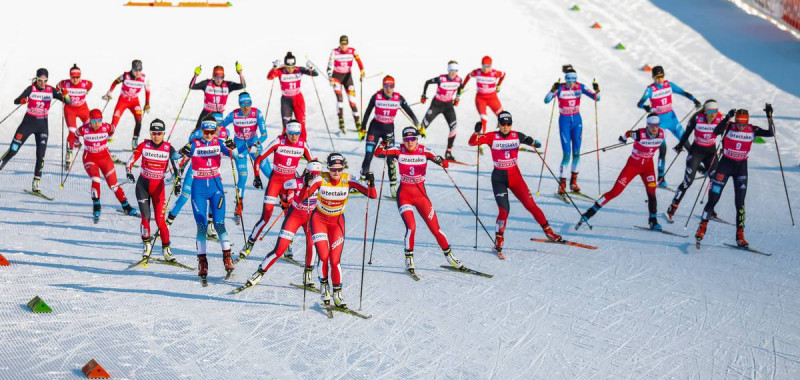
157 125
658 70
710 105
452 66
410 132
219 71
136 65
209 122
742 116
653 119
343 39
314 166
336 159
42 73
293 127
96 114
486 61
388 81
75 71
289 59
504 118
567 68
245 100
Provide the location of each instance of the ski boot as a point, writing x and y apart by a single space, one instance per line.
237 213
35 186
289 254
552 236
393 190
701 230
702 169
448 254
96 211
671 212
255 278
341 124
211 233
573 182
448 155
248 246
202 266
410 261
562 186
338 300
588 214
662 183
740 241
167 252
498 243
128 209
170 219
325 291
653 222
307 277
226 259
134 142
147 249
68 159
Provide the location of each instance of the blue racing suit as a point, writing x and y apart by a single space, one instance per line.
248 142
570 123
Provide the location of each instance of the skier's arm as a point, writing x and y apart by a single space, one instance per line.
502 78
527 140
358 60
477 138
88 86
195 85
307 71
368 111
307 153
552 94
678 90
262 127
24 95
761 132
464 83
689 128
135 157
116 82
389 153
176 174
589 93
408 110
330 63
429 82
228 119
273 73
62 96
647 94
363 188
233 86
257 162
723 125
308 190
147 93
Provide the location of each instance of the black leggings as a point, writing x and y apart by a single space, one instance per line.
30 125
379 131
449 112
697 154
728 168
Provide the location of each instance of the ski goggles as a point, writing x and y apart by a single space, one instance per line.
96 120
218 77
388 85
335 170
571 77
410 138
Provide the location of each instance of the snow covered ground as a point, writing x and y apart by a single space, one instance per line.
644 305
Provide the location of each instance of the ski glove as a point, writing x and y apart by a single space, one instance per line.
647 108
731 113
230 144
370 178
255 148
23 101
177 187
276 63
421 130
439 160
623 139
238 67
131 179
362 75
107 96
423 99
678 148
257 182
455 102
554 88
198 70
768 110
361 134
595 87
307 178
478 127
697 104
537 144
497 89
186 151
146 108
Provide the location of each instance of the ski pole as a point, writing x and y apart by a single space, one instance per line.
321 110
238 198
63 109
709 170
596 139
69 169
378 212
547 142
261 238
364 249
477 189
105 105
468 205
669 167
607 148
566 193
10 113
179 113
374 75
780 162
305 285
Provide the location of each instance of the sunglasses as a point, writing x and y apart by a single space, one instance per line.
96 120
410 138
156 133
335 170
504 124
41 80
293 133
712 110
486 66
219 77
209 131
388 86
